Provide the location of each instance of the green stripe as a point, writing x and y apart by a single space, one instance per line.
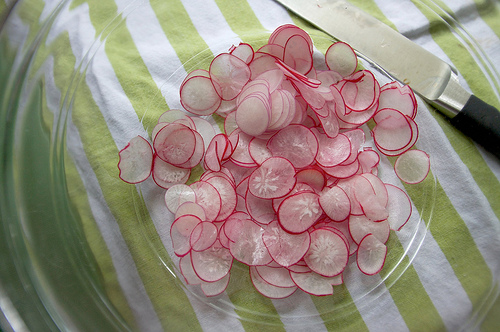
256 311
489 12
175 310
339 312
241 18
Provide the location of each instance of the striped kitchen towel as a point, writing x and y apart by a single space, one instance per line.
111 68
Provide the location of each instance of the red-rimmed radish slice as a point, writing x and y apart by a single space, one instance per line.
297 54
229 74
281 35
177 195
299 268
260 209
166 175
261 63
175 143
274 50
258 150
399 207
243 51
373 205
333 151
328 253
198 96
341 58
285 248
180 233
369 160
402 98
393 130
253 115
215 288
412 166
360 226
215 152
247 245
268 290
241 154
335 203
227 193
203 236
295 143
190 208
234 223
273 77
277 276
328 77
208 198
199 151
205 129
312 177
371 255
299 212
273 179
173 115
315 284
360 91
343 171
343 227
212 264
398 152
136 160
187 270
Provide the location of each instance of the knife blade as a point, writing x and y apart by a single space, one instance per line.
430 77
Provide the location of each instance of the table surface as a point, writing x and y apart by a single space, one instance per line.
450 284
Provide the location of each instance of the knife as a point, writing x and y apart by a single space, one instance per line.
430 77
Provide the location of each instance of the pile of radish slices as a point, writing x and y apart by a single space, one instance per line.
290 188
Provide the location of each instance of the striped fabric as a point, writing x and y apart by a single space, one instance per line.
128 58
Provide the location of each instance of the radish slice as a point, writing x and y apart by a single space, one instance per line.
286 249
187 270
274 178
281 35
175 144
299 212
215 288
335 203
208 198
203 236
295 143
360 91
268 290
360 226
212 264
398 206
227 194
166 175
328 253
260 209
247 245
277 276
393 130
229 74
371 255
136 160
315 284
401 98
340 57
177 195
180 233
192 209
412 166
243 51
252 116
198 96
332 151
312 177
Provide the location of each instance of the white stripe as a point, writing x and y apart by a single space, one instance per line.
270 14
123 263
298 313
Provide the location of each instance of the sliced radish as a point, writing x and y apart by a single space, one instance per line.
208 198
312 177
136 160
277 276
340 57
227 194
295 143
398 206
229 74
393 130
335 203
371 255
274 178
260 209
299 212
203 236
198 96
190 208
333 151
268 290
212 264
286 249
253 115
360 91
175 144
402 98
215 288
180 233
316 284
187 270
412 166
177 195
166 175
360 226
247 245
328 253
244 52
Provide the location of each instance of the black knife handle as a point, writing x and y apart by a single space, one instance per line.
481 122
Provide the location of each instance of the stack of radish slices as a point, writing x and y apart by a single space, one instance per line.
290 188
